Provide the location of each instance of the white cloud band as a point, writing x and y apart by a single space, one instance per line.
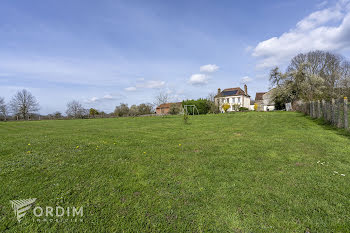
312 33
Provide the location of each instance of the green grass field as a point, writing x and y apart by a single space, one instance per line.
242 172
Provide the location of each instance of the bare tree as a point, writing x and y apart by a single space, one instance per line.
211 96
23 104
161 98
75 109
3 108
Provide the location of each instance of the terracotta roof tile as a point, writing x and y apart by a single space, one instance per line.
167 105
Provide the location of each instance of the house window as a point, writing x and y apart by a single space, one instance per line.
228 100
239 99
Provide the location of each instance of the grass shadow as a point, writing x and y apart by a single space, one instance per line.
328 126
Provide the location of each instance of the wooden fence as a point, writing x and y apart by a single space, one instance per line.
335 112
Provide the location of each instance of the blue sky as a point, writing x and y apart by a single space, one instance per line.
103 53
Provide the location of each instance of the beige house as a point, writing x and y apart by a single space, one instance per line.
235 97
264 101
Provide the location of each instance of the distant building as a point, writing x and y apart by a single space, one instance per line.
235 97
164 109
264 101
252 104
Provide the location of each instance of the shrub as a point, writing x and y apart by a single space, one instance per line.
225 107
185 117
235 107
213 108
174 109
93 112
57 115
145 109
203 105
134 110
243 109
121 110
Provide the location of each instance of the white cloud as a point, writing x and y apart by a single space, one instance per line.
107 97
246 80
318 18
148 84
93 99
130 89
151 84
327 29
198 79
210 68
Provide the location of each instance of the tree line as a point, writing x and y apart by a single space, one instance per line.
316 75
24 106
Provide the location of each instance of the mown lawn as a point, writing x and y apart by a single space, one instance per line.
243 172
